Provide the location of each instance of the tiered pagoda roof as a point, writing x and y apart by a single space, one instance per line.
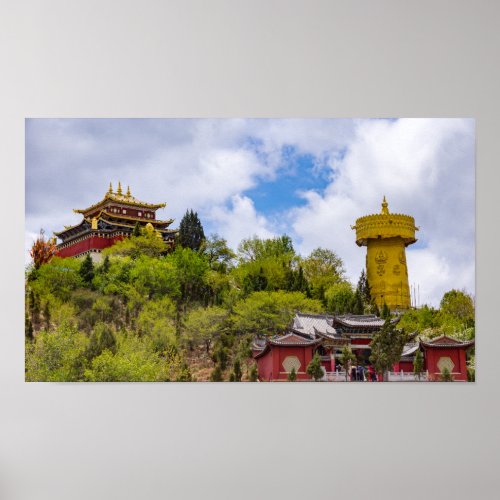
119 198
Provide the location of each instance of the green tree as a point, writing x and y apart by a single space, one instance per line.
346 358
357 306
471 368
292 376
446 375
386 347
460 305
101 338
339 298
218 254
255 249
220 356
191 270
104 268
237 374
137 230
191 234
254 373
154 277
314 368
87 270
269 313
216 375
418 364
386 312
205 326
156 321
149 243
46 315
364 288
322 269
56 356
59 277
296 281
28 328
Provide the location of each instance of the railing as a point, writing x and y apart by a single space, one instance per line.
337 376
408 377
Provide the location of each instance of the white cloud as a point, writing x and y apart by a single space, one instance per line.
239 221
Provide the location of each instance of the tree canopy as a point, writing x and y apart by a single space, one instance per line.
191 234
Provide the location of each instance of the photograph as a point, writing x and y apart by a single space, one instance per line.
250 250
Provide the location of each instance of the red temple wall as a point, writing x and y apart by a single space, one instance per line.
265 366
406 366
303 353
91 243
361 341
457 355
270 365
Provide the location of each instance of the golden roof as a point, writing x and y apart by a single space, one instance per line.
121 224
385 225
119 197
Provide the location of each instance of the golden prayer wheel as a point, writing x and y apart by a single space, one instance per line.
386 237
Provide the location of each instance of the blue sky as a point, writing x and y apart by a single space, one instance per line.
309 178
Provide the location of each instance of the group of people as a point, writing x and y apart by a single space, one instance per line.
360 373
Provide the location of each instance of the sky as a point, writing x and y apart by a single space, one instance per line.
307 178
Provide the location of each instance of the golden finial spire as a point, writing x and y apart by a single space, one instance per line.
385 207
119 191
128 192
110 190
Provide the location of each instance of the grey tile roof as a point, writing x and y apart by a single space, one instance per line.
309 323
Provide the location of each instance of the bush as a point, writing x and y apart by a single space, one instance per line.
314 368
292 376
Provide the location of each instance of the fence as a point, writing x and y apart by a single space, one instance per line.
408 377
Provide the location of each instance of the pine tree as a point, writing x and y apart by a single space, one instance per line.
254 373
87 270
191 234
386 312
28 328
346 358
292 376
314 368
216 375
364 288
237 370
101 338
386 347
105 265
137 229
46 315
34 308
357 303
418 364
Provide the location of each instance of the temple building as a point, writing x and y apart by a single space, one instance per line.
110 220
446 352
326 335
386 237
315 333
